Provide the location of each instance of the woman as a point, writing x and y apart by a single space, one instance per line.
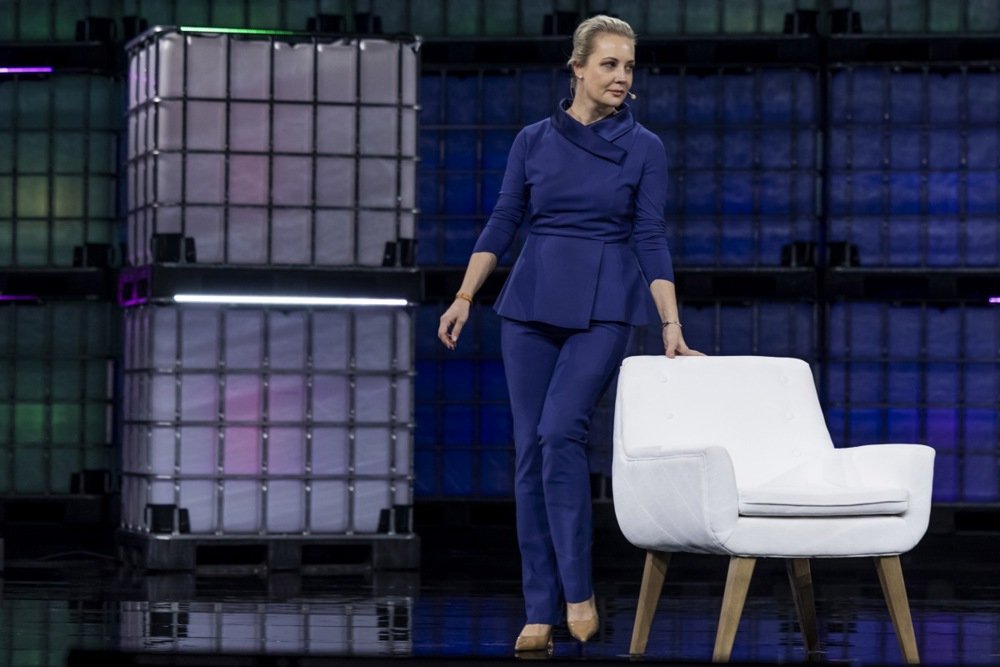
592 184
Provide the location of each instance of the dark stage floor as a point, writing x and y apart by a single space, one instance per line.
465 604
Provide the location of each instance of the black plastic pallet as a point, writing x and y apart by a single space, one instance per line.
258 554
186 586
58 509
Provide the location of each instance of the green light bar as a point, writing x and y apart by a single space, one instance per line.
237 31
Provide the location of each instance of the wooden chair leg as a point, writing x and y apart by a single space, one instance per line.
890 575
800 577
737 583
653 573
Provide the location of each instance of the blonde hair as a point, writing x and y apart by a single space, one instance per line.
587 32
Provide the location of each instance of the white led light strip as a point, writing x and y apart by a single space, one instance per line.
241 299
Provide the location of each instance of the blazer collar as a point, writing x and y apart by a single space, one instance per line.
596 138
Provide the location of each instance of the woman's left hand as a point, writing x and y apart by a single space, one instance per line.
673 343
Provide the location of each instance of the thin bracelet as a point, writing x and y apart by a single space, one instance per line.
679 325
464 296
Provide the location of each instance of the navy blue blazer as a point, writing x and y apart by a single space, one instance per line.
594 198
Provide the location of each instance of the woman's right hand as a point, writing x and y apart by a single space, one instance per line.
452 322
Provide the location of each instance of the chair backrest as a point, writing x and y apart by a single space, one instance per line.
763 410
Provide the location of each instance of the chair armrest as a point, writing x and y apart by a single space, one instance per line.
900 465
682 500
907 466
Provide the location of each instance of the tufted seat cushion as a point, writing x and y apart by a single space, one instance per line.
819 500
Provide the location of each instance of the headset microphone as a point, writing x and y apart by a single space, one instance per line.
632 95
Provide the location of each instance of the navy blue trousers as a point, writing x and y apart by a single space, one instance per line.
555 378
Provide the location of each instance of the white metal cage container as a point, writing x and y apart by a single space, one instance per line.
274 150
255 421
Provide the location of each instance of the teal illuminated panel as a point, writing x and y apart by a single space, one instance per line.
464 18
664 19
927 16
58 167
34 20
908 16
56 370
983 16
28 20
703 17
500 17
741 17
398 15
945 16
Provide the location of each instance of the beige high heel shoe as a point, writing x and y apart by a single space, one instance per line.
584 629
534 643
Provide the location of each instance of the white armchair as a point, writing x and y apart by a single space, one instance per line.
731 455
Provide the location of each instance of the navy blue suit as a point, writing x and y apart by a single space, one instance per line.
593 198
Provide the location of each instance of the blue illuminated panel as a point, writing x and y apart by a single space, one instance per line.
920 374
741 150
913 166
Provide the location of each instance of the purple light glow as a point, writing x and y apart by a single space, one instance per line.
25 70
995 299
128 303
18 297
133 287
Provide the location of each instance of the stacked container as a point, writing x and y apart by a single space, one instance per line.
56 370
58 163
913 185
285 153
266 152
741 146
257 421
57 167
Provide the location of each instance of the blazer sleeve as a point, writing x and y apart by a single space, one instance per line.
650 231
500 229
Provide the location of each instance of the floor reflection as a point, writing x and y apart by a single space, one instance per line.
343 627
45 614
